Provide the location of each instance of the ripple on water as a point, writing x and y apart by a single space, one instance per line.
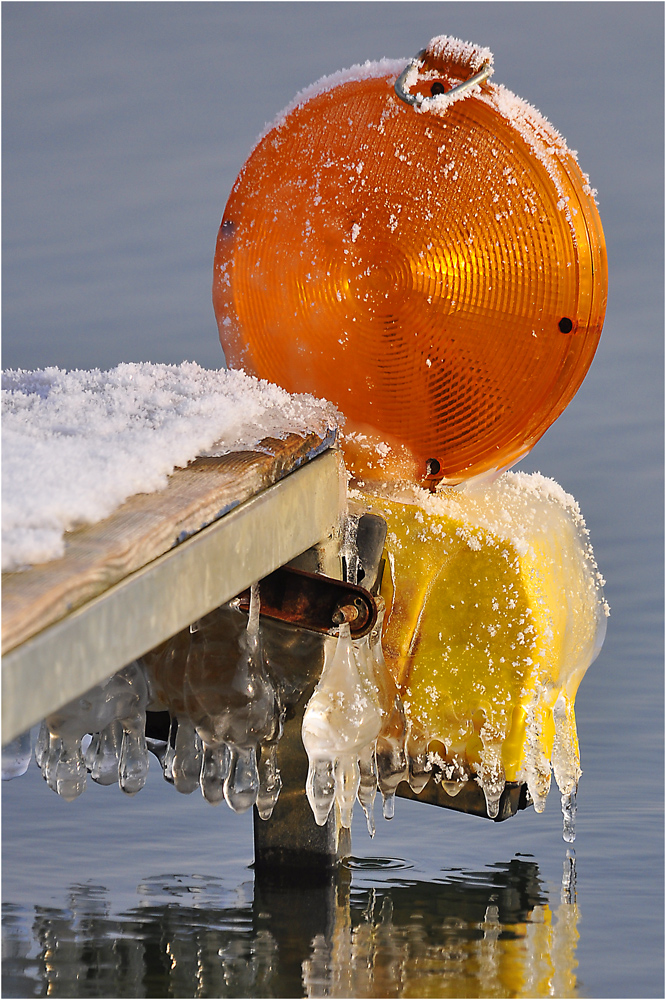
376 864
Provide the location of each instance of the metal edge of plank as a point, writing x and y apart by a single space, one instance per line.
68 658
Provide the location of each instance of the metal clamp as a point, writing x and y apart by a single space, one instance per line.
313 601
484 73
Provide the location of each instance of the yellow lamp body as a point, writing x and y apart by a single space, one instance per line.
494 613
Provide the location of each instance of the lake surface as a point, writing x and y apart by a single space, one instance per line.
125 126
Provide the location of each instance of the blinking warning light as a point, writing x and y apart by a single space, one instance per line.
419 246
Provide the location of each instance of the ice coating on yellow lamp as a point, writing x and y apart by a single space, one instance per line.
438 272
494 612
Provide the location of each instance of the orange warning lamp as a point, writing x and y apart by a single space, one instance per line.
422 249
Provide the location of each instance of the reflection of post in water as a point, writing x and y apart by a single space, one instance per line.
486 933
303 914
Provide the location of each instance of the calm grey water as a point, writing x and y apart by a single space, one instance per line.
124 128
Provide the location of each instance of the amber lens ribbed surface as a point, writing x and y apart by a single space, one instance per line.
440 277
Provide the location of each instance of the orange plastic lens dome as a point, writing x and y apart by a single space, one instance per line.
435 269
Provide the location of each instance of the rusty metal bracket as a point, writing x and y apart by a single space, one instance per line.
314 602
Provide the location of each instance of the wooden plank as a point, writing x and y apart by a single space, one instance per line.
66 659
143 528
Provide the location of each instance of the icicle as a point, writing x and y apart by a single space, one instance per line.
391 770
340 720
103 754
420 768
241 785
347 781
453 788
349 549
391 756
490 774
253 712
320 786
16 756
186 767
233 721
133 763
214 771
91 751
566 762
50 759
122 697
254 715
455 775
253 615
392 762
170 752
68 775
61 762
270 782
367 788
536 766
566 765
42 745
388 804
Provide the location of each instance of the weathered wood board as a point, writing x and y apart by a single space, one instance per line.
142 529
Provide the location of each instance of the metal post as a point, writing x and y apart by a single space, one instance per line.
291 838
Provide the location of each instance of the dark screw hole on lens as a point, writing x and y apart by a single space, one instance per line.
565 325
432 467
437 88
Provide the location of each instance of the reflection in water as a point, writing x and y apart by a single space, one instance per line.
491 933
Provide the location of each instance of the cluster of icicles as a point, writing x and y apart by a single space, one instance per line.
358 739
564 764
355 733
229 752
115 712
226 735
224 738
